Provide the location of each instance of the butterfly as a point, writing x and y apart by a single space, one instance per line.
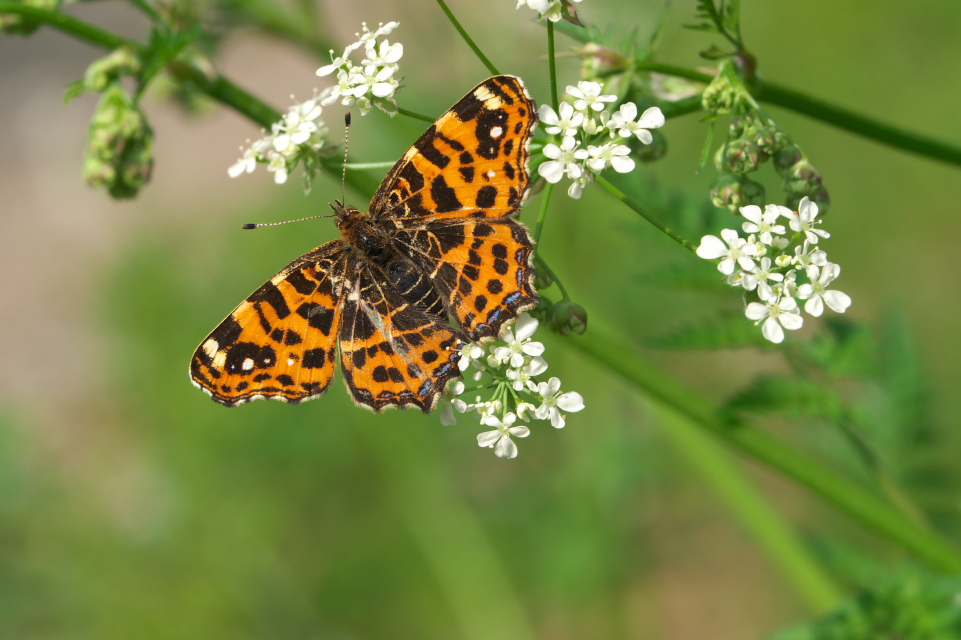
439 261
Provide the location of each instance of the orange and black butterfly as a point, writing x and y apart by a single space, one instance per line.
438 261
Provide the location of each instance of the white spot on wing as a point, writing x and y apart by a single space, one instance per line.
247 365
491 173
211 347
496 132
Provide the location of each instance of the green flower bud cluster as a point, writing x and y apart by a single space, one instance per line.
565 317
119 154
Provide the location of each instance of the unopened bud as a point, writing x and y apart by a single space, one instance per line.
119 153
543 309
543 279
567 318
119 62
718 97
733 191
601 62
741 156
803 179
785 158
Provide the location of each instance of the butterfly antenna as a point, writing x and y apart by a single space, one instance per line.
343 177
255 225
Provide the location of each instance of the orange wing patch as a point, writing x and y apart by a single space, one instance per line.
472 162
281 341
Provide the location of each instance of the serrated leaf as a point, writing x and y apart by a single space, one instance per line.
732 331
689 276
792 395
164 46
704 26
731 18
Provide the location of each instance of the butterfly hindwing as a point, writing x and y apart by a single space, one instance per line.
472 162
482 269
393 353
281 341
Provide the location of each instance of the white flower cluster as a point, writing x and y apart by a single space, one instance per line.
591 138
301 131
769 267
511 366
550 9
370 83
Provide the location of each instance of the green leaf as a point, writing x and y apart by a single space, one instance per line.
731 331
164 46
793 395
731 19
918 608
74 90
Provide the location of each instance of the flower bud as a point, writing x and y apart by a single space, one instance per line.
802 178
734 191
741 156
718 97
765 137
567 318
119 153
543 309
601 62
119 62
785 158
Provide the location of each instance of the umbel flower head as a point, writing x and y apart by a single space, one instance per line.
591 139
508 370
768 263
300 137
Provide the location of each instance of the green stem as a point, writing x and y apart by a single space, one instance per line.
148 9
858 503
69 24
753 510
551 63
858 124
470 43
846 119
647 215
415 115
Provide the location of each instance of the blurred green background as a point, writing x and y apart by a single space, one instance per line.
131 506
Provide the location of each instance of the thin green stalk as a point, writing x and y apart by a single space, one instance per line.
415 115
470 43
753 510
551 63
148 9
858 503
647 215
542 214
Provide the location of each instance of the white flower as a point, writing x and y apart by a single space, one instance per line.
386 54
817 293
563 160
469 352
758 279
738 250
554 401
246 164
518 342
614 155
587 95
566 124
371 79
550 9
521 377
577 187
277 165
449 403
500 438
804 220
805 258
623 122
763 223
775 314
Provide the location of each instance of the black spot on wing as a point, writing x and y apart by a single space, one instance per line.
425 144
301 283
487 197
270 294
444 196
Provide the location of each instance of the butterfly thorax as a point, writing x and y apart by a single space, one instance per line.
377 248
